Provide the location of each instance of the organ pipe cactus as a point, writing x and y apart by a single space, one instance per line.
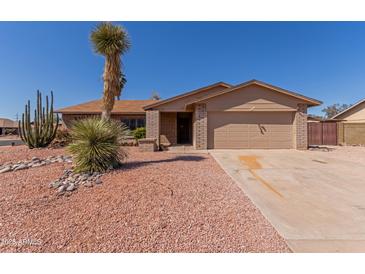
43 130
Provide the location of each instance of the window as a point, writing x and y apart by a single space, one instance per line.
140 123
133 123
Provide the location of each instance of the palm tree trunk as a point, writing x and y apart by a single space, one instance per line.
105 115
111 84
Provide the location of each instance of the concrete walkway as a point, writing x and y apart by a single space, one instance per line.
315 200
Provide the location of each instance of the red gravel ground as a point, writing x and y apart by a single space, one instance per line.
158 202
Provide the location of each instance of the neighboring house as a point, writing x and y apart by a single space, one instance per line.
7 125
253 114
351 130
353 114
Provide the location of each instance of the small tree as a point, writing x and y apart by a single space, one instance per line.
112 42
334 109
155 96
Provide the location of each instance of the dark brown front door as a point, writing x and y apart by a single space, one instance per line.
184 127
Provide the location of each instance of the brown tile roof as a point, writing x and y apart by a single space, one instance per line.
120 107
7 123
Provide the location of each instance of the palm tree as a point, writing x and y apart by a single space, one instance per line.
111 41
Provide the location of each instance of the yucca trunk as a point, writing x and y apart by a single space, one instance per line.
111 84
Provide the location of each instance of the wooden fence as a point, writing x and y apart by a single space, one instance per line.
322 133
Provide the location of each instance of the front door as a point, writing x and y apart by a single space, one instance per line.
184 127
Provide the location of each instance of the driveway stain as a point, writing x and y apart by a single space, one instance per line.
319 161
252 163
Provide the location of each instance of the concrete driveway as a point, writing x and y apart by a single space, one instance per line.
315 199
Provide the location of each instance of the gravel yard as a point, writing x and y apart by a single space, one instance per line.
157 202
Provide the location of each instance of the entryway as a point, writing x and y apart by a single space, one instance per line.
184 127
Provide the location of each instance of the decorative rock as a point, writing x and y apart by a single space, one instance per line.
88 184
20 167
39 164
62 189
71 187
56 184
5 169
70 181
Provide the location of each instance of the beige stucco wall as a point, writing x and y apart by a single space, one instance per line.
252 98
354 115
179 105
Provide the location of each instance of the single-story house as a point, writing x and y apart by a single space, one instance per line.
351 130
7 125
253 114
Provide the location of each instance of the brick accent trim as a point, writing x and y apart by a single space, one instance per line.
300 125
147 145
153 125
201 126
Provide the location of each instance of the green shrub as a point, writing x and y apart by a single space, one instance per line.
139 133
96 144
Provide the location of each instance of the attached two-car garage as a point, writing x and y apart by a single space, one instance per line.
251 115
231 130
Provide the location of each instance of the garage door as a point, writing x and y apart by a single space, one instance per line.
250 129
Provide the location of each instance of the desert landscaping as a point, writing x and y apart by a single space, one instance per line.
155 202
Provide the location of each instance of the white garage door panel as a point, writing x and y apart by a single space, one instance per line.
250 130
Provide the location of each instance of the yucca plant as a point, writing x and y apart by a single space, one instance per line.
111 41
96 144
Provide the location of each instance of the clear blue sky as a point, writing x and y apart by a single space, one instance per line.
325 61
